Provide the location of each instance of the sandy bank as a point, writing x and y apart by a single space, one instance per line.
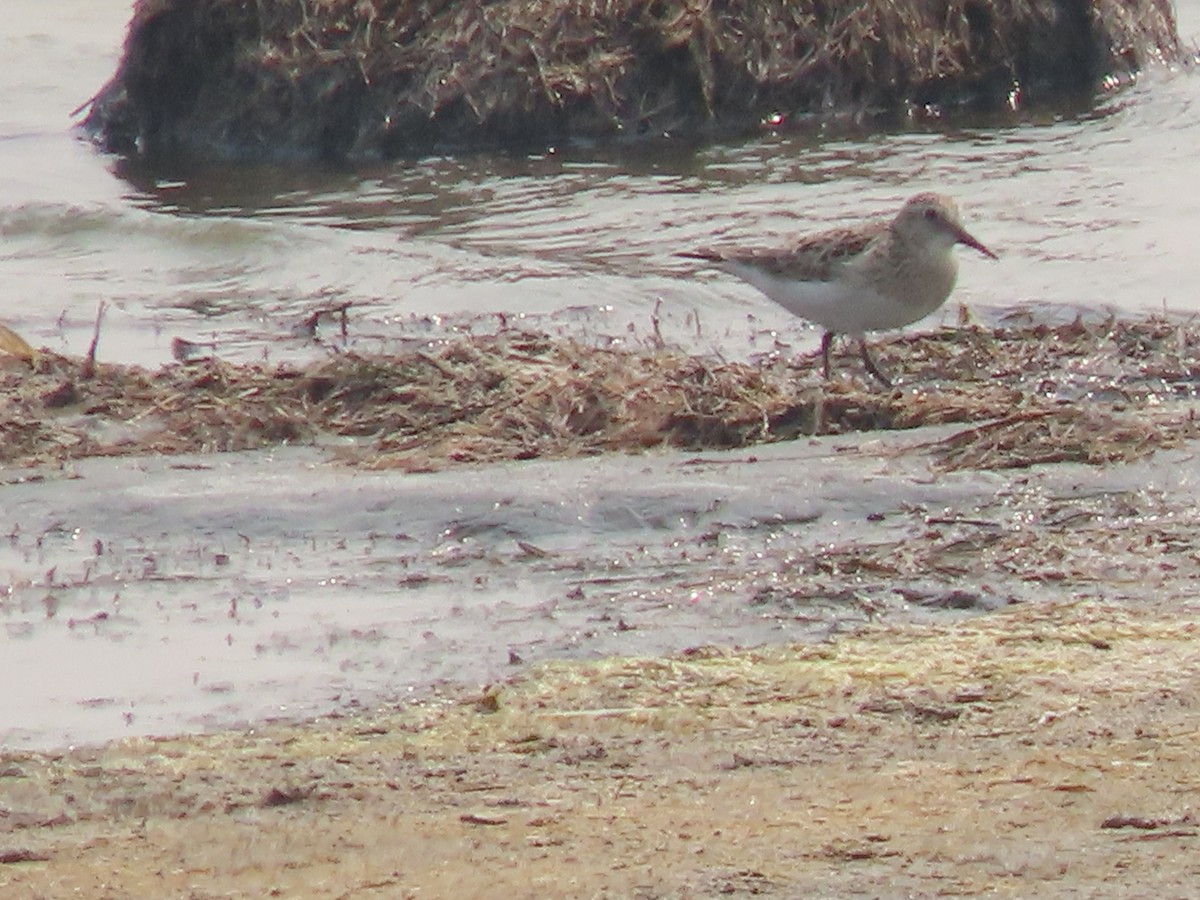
1046 751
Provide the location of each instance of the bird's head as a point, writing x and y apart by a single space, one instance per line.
932 220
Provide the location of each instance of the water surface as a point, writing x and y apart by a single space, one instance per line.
1088 210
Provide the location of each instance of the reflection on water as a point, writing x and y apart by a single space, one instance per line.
1086 209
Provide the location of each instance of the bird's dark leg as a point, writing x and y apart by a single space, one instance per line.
870 364
826 344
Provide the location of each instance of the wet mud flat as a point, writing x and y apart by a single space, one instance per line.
970 658
1043 751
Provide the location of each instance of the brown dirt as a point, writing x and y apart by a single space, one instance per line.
355 79
1043 751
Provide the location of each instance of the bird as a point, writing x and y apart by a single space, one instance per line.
876 276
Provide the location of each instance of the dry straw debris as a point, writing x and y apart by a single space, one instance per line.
1085 393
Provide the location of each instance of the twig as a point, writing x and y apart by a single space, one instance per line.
656 324
89 363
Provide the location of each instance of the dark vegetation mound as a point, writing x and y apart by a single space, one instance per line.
364 79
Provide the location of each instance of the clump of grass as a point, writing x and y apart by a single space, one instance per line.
386 78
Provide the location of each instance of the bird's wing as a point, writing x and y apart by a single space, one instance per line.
814 257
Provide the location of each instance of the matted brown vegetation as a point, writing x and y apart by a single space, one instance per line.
1062 435
354 79
1076 392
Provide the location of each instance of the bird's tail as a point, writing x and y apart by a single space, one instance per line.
704 254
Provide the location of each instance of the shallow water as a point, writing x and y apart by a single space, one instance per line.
140 597
258 608
144 596
1088 211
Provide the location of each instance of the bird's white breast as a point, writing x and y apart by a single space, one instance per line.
867 294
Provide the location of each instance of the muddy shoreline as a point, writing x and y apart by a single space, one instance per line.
1037 752
449 515
971 664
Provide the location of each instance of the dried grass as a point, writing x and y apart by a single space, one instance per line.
1059 435
1090 394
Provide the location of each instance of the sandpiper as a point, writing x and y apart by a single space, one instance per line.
873 277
